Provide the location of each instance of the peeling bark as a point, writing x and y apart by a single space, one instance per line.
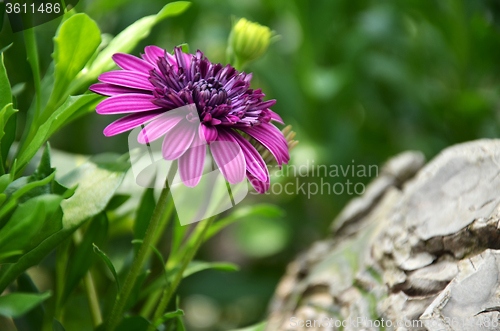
421 246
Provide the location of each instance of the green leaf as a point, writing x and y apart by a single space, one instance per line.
86 102
180 322
46 89
257 327
83 256
108 262
5 114
144 213
97 183
134 323
57 326
17 304
184 47
75 42
31 223
116 201
158 254
44 168
5 92
32 57
33 320
126 40
22 190
3 50
136 290
192 268
265 210
9 137
197 266
169 315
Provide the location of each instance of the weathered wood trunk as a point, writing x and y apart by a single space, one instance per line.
417 251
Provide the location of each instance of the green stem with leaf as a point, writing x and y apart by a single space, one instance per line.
158 217
199 236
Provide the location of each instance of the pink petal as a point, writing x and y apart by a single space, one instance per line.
153 53
208 132
110 89
130 121
259 186
272 139
191 163
275 117
178 140
126 78
126 103
229 157
158 128
254 162
130 62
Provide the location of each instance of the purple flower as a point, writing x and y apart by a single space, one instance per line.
152 90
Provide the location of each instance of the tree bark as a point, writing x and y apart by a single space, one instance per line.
418 250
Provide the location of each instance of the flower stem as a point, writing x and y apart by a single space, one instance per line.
121 300
93 300
190 253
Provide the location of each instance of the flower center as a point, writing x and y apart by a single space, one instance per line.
209 92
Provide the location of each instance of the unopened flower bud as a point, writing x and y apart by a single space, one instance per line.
248 41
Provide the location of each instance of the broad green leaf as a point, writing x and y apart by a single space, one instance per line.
83 256
105 40
75 42
17 304
31 223
84 102
258 327
265 210
33 320
108 263
57 326
97 183
126 40
134 323
40 182
169 315
5 92
4 182
22 190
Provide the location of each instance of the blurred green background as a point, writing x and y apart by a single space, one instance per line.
359 81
